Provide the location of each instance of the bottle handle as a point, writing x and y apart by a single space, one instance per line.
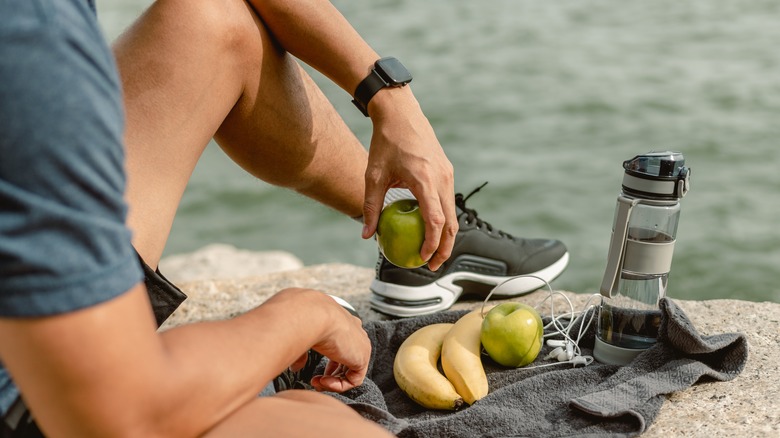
617 245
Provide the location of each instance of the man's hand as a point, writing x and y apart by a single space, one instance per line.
347 348
406 153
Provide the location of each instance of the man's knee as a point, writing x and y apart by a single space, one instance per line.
310 397
229 27
296 413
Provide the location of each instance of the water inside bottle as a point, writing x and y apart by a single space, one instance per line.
629 328
641 234
631 318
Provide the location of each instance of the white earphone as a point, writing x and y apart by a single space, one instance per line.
564 353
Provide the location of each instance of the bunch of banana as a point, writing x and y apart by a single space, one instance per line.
415 367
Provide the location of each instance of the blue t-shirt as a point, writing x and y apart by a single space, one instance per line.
63 240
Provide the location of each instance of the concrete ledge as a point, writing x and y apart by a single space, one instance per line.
746 406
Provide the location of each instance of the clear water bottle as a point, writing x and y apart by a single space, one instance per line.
640 255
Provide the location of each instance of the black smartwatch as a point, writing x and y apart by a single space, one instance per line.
387 72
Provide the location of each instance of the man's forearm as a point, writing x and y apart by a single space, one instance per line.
318 34
215 367
114 375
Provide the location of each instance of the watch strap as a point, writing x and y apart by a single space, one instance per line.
367 88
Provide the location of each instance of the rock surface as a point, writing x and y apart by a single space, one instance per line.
746 406
221 261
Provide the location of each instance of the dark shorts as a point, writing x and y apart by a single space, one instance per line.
164 295
165 298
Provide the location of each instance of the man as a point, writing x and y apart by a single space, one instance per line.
77 336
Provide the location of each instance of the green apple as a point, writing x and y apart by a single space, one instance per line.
512 334
400 233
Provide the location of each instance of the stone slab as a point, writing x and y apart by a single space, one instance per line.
220 261
746 406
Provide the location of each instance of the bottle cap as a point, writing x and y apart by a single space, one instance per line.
657 175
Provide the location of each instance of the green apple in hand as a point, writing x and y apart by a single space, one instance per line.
400 233
512 334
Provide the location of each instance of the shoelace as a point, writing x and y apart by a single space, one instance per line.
471 214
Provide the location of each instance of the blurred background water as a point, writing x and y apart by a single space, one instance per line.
544 100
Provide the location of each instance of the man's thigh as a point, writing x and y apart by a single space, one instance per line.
296 413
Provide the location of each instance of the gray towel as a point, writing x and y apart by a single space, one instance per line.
597 400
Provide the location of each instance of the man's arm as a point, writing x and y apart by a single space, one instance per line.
105 371
404 149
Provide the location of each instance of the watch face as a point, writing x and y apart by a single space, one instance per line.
393 71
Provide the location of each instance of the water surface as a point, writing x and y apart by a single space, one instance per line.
544 100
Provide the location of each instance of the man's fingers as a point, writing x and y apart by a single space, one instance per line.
448 233
332 383
337 378
433 216
372 207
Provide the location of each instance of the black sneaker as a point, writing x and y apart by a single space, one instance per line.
301 379
482 258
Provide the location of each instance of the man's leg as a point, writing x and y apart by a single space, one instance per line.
192 70
297 413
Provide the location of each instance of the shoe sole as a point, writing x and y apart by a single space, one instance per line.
394 299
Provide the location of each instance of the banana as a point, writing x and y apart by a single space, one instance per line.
460 357
415 369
